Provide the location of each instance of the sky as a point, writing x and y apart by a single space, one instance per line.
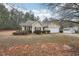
31 6
37 8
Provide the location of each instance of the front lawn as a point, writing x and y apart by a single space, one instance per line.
44 44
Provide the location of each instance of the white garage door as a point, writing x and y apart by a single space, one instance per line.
54 30
69 31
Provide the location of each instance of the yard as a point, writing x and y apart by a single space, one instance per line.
35 45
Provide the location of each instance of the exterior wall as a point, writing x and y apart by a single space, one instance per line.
75 28
68 30
52 25
36 24
53 28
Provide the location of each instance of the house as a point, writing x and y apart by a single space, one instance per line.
53 26
70 26
31 26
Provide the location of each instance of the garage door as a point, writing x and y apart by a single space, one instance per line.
69 31
54 30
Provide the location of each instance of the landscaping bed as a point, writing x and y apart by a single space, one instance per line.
42 32
22 32
29 32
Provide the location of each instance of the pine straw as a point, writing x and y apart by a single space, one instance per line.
45 49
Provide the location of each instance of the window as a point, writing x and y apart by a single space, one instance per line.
66 29
37 28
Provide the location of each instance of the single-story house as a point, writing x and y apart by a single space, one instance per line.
53 26
31 26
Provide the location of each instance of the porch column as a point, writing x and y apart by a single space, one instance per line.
43 28
23 28
33 29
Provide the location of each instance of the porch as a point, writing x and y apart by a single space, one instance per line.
31 29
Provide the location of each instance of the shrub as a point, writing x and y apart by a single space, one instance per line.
30 31
46 31
21 32
61 31
38 31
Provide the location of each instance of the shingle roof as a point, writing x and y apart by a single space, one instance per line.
48 22
65 23
27 23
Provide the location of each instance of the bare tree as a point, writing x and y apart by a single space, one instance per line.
65 10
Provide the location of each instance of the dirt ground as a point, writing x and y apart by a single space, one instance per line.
7 33
39 45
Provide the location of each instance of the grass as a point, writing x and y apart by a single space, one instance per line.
8 41
32 39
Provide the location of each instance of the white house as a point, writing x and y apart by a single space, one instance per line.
52 26
31 26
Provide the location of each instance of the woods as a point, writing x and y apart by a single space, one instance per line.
9 20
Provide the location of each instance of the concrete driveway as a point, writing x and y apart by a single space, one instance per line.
74 35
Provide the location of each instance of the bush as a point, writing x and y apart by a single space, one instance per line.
46 31
38 31
29 32
61 31
21 32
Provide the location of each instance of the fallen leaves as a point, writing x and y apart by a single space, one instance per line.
40 49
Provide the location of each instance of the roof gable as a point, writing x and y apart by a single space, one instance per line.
29 23
55 22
